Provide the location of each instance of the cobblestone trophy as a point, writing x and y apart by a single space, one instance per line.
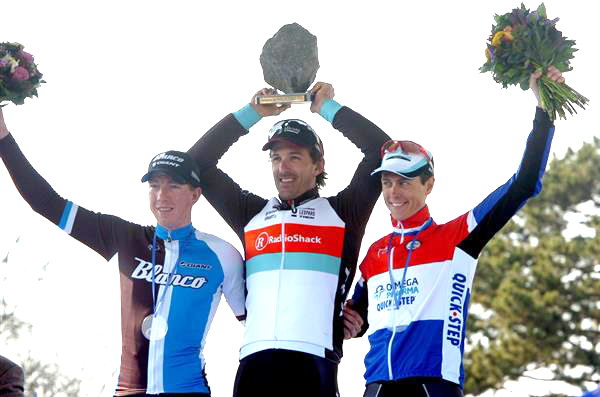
289 62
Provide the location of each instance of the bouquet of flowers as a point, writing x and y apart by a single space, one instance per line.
19 76
523 42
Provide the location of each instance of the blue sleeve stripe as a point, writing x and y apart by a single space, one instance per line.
68 217
484 207
247 116
329 109
490 201
538 186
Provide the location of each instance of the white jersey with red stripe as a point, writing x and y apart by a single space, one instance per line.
293 260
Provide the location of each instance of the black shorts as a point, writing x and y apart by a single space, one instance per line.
278 372
171 395
414 387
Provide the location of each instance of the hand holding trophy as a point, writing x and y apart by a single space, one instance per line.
290 62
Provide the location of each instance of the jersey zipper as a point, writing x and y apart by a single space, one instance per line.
389 350
281 265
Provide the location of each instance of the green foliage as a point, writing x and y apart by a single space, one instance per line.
540 291
523 42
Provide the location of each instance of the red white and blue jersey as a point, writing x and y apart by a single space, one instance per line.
192 270
417 319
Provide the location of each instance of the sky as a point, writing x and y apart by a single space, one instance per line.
127 80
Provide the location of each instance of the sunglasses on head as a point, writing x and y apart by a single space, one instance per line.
285 126
393 146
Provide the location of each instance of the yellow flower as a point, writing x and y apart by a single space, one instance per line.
500 37
11 61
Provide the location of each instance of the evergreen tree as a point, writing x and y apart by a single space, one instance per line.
536 295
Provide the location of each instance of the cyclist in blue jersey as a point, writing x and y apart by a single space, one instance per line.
416 282
172 275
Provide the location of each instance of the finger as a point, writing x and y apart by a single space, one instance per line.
350 330
347 334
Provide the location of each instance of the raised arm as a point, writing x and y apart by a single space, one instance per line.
97 231
355 203
235 205
496 210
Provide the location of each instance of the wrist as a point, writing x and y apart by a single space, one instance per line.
247 116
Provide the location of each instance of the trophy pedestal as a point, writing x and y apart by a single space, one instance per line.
301 97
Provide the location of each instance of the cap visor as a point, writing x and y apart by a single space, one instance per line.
273 141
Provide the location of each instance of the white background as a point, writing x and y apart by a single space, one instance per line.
126 80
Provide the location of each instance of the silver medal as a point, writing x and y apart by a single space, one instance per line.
154 327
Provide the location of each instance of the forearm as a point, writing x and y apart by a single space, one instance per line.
355 203
367 136
32 187
235 205
215 142
535 157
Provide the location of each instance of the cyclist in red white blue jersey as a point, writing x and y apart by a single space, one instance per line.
416 282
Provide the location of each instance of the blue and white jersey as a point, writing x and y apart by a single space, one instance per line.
197 267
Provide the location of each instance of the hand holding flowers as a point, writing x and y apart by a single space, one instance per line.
19 76
523 43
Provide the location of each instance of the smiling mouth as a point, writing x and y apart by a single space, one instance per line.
286 180
164 209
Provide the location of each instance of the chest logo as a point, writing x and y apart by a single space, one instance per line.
261 241
413 245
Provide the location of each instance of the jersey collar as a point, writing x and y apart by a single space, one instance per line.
177 234
304 197
413 223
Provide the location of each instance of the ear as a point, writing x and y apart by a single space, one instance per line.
429 184
319 167
196 194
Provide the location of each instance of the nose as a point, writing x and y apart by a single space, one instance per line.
283 166
161 192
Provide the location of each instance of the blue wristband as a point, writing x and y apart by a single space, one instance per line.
247 116
329 109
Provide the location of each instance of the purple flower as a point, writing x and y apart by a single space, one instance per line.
20 73
27 57
3 62
491 51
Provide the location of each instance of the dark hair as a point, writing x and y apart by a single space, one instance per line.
424 176
316 156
